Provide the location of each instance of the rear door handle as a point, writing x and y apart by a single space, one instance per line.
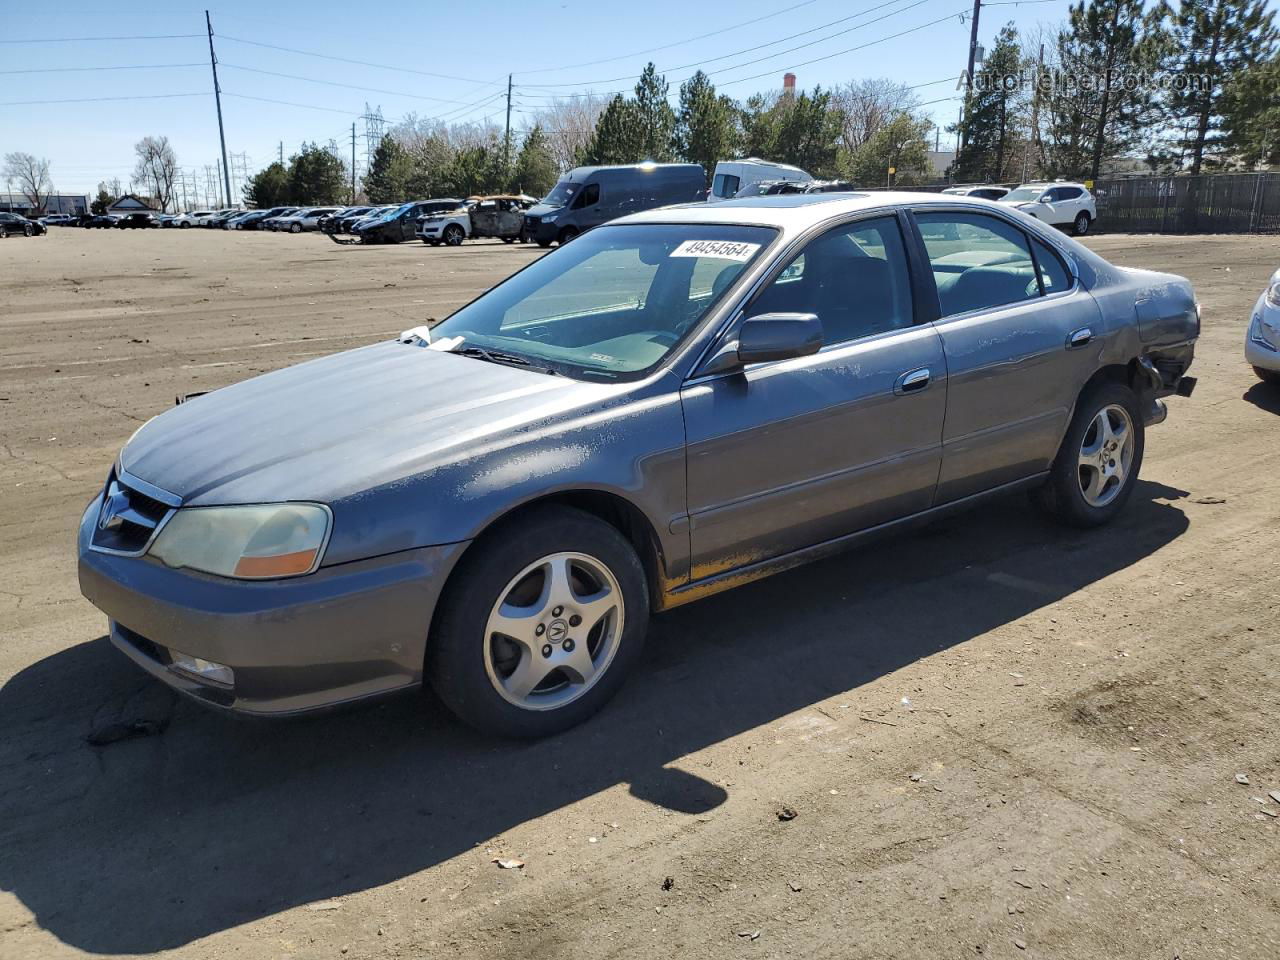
913 381
1079 337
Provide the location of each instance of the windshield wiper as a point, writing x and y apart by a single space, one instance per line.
509 359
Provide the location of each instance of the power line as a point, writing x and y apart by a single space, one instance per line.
668 46
362 63
150 96
334 83
761 46
132 66
288 103
158 36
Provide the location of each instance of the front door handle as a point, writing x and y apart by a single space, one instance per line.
1079 337
913 381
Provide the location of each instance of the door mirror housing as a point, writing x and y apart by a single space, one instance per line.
778 336
1046 198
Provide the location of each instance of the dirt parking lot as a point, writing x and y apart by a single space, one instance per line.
1000 738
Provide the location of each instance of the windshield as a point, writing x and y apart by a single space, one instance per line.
561 194
1024 193
612 304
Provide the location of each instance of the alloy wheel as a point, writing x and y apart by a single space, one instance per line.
453 235
553 631
1106 454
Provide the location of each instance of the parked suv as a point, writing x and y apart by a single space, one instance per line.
192 218
1061 204
989 192
586 197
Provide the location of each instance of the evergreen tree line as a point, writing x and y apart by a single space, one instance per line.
1188 88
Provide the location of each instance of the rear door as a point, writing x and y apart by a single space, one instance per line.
1021 337
792 453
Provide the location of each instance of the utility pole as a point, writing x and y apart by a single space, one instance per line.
217 99
353 163
968 79
506 140
282 153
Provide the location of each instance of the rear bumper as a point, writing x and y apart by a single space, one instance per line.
343 633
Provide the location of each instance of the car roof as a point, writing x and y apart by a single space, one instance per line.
793 211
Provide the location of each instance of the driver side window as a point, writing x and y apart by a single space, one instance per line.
589 197
853 277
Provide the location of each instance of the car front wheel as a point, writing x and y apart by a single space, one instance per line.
1267 376
541 624
1097 465
27 230
454 235
1081 224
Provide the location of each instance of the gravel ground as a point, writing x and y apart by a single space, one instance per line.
999 738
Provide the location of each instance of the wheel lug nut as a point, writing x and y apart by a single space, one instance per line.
575 620
540 629
568 646
546 649
557 611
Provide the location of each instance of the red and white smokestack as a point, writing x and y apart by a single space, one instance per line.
789 85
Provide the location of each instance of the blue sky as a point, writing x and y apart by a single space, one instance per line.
553 48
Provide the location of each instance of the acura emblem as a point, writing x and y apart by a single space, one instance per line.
114 504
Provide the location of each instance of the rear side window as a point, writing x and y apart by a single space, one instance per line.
853 277
978 262
1053 272
725 185
1067 193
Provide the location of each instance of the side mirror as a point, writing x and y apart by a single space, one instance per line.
770 336
1047 198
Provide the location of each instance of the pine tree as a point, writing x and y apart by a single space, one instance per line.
535 171
268 187
617 137
705 130
1095 113
390 170
316 176
1216 41
993 113
654 115
1251 114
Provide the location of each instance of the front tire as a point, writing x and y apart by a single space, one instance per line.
540 625
454 235
1096 468
1080 226
28 230
566 235
184 226
295 228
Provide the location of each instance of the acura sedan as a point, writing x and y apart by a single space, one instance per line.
678 402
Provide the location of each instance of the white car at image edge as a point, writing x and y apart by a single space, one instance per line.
1061 204
1262 342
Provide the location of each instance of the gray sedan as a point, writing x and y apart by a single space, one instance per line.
678 402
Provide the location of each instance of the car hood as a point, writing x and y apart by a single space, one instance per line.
542 210
342 425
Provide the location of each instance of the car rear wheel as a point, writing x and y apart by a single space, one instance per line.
1097 465
4 231
454 235
540 625
1081 224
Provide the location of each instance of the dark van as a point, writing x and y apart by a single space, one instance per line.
586 197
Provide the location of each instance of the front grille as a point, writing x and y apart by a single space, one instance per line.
128 518
532 221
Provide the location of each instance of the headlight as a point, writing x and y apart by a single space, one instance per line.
249 543
1273 294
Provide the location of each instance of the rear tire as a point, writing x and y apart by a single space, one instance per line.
1094 473
4 231
582 648
1081 224
1268 376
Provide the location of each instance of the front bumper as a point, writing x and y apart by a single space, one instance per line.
430 231
540 232
344 633
1262 339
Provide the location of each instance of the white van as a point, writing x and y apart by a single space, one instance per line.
732 175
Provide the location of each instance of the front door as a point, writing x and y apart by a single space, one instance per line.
788 454
1021 338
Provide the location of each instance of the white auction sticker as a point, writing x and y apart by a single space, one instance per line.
716 249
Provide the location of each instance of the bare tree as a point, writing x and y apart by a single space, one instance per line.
868 106
569 124
32 176
157 168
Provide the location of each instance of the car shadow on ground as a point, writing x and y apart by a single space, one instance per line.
1264 396
151 843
